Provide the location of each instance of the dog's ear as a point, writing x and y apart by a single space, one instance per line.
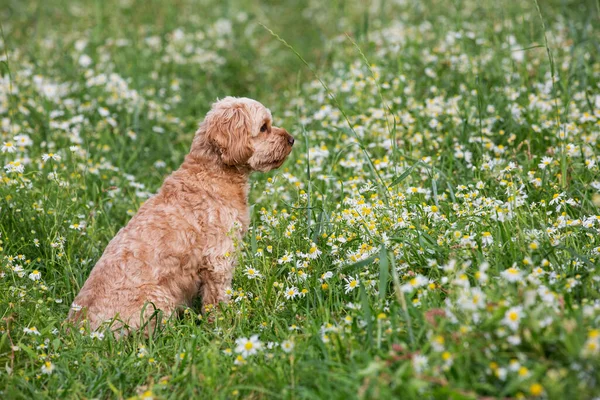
227 129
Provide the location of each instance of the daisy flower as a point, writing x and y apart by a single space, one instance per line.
78 226
419 363
326 276
35 275
31 331
51 156
239 360
14 166
512 317
512 274
287 346
287 257
291 292
486 239
48 368
8 147
545 162
248 347
252 273
23 140
314 251
351 283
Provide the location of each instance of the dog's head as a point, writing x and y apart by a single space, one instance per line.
240 131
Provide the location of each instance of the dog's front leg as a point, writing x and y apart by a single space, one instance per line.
215 282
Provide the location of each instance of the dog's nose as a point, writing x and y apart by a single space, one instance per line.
291 140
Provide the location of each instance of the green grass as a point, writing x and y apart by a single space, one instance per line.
421 129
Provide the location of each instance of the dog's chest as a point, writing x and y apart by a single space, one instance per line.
229 220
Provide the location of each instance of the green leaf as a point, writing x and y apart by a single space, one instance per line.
366 309
384 272
360 263
253 243
28 350
405 174
435 191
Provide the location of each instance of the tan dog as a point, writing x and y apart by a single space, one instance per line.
182 241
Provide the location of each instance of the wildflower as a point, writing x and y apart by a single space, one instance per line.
419 363
85 60
8 147
536 389
48 368
291 292
545 162
31 331
501 373
78 226
248 347
51 156
592 345
35 275
287 346
97 335
252 273
301 275
14 166
512 317
239 360
523 372
314 251
287 257
326 276
438 343
147 395
415 283
142 351
448 360
512 274
514 340
23 140
351 283
472 299
486 239
556 198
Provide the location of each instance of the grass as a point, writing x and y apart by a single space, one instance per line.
434 234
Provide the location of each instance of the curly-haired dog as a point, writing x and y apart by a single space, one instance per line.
181 243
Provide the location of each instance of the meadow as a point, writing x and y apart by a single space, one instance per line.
434 234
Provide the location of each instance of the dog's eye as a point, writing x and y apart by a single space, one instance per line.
263 128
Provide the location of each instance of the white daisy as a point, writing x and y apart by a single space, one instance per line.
248 347
291 292
351 283
512 317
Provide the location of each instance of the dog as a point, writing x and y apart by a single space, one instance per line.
182 241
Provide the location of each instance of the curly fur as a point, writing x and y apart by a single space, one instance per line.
182 241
